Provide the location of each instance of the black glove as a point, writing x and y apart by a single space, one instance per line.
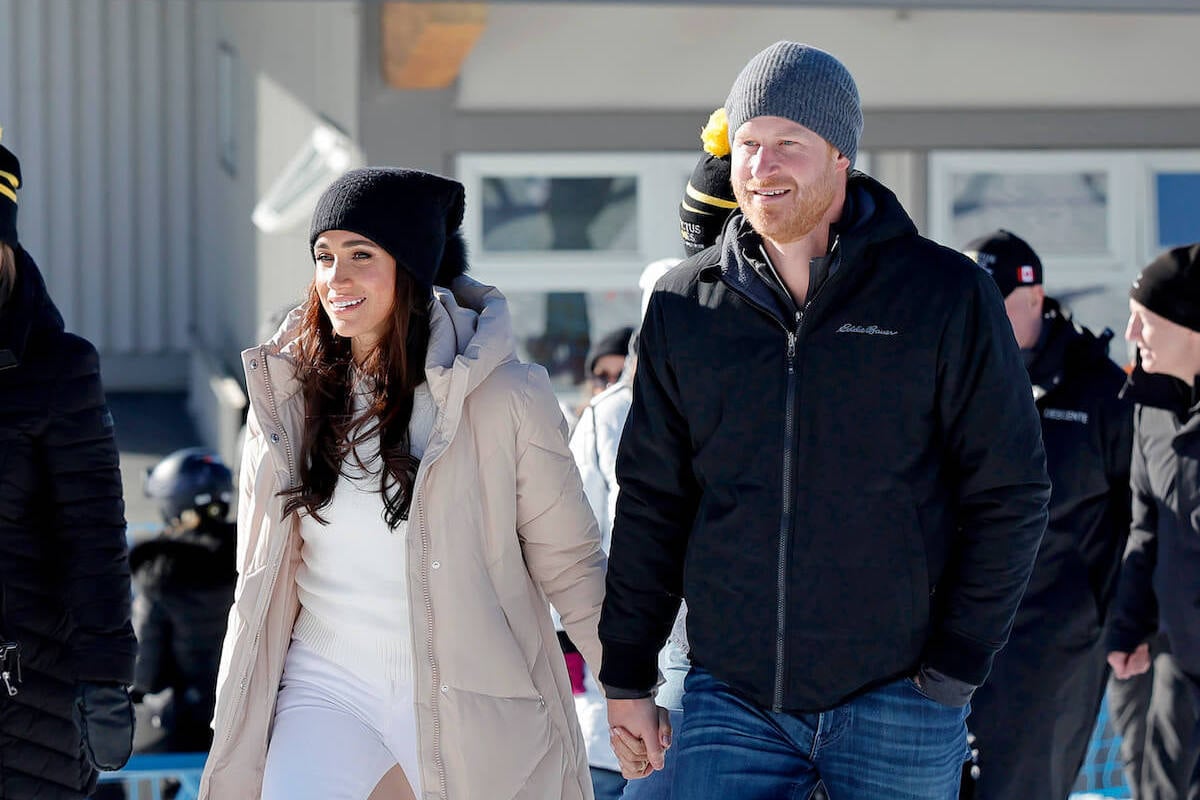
105 715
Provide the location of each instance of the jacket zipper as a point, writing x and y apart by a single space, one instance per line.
427 596
436 685
785 522
244 678
787 512
787 515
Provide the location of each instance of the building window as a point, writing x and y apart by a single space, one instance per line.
1176 197
556 213
566 236
1095 217
572 221
1067 205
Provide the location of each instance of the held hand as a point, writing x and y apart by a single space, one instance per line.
104 712
640 735
1127 665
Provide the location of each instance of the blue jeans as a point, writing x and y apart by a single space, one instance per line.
892 743
606 784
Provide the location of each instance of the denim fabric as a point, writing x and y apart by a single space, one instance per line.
606 784
892 743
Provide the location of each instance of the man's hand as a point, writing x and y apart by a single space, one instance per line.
640 733
1126 665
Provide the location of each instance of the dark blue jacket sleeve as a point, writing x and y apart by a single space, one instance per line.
993 445
1135 610
89 519
655 508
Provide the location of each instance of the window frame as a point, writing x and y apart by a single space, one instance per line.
1151 163
1121 245
661 178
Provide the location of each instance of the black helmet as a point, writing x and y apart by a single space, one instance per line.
192 478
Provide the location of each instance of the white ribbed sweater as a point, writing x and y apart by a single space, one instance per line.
353 577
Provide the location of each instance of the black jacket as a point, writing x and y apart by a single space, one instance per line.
1087 430
185 581
1159 586
64 576
841 494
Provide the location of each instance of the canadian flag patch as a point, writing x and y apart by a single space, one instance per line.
1025 274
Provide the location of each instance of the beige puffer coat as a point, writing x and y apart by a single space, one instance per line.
499 523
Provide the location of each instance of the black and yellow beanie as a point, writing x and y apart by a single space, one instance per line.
10 181
415 216
708 199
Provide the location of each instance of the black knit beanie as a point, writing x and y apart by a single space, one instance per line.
10 181
1170 286
707 202
413 215
613 343
804 84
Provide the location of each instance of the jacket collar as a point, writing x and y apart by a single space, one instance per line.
28 309
470 336
1162 391
871 215
1064 345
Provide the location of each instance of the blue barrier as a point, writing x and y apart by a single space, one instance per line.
149 770
1102 774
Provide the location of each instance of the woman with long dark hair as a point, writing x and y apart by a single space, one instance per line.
407 506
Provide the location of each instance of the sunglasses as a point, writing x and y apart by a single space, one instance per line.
605 379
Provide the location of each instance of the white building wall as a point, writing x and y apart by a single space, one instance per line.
94 100
623 56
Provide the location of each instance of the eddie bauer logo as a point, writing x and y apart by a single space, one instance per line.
870 330
1063 415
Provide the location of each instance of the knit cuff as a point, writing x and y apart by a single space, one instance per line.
628 668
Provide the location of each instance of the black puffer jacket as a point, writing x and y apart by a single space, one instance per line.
1159 587
64 575
185 581
843 493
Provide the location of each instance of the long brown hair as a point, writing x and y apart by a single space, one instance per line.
8 272
393 370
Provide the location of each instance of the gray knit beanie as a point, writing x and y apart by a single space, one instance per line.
803 84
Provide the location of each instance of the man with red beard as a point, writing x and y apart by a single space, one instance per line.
832 428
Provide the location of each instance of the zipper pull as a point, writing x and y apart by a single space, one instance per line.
791 351
6 676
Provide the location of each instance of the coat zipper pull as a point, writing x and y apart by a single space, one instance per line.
10 651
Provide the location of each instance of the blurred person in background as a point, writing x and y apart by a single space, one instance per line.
707 202
1149 711
604 365
407 504
185 577
1034 717
66 643
1159 585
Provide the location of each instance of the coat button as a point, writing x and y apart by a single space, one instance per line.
445 688
254 363
275 438
436 565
